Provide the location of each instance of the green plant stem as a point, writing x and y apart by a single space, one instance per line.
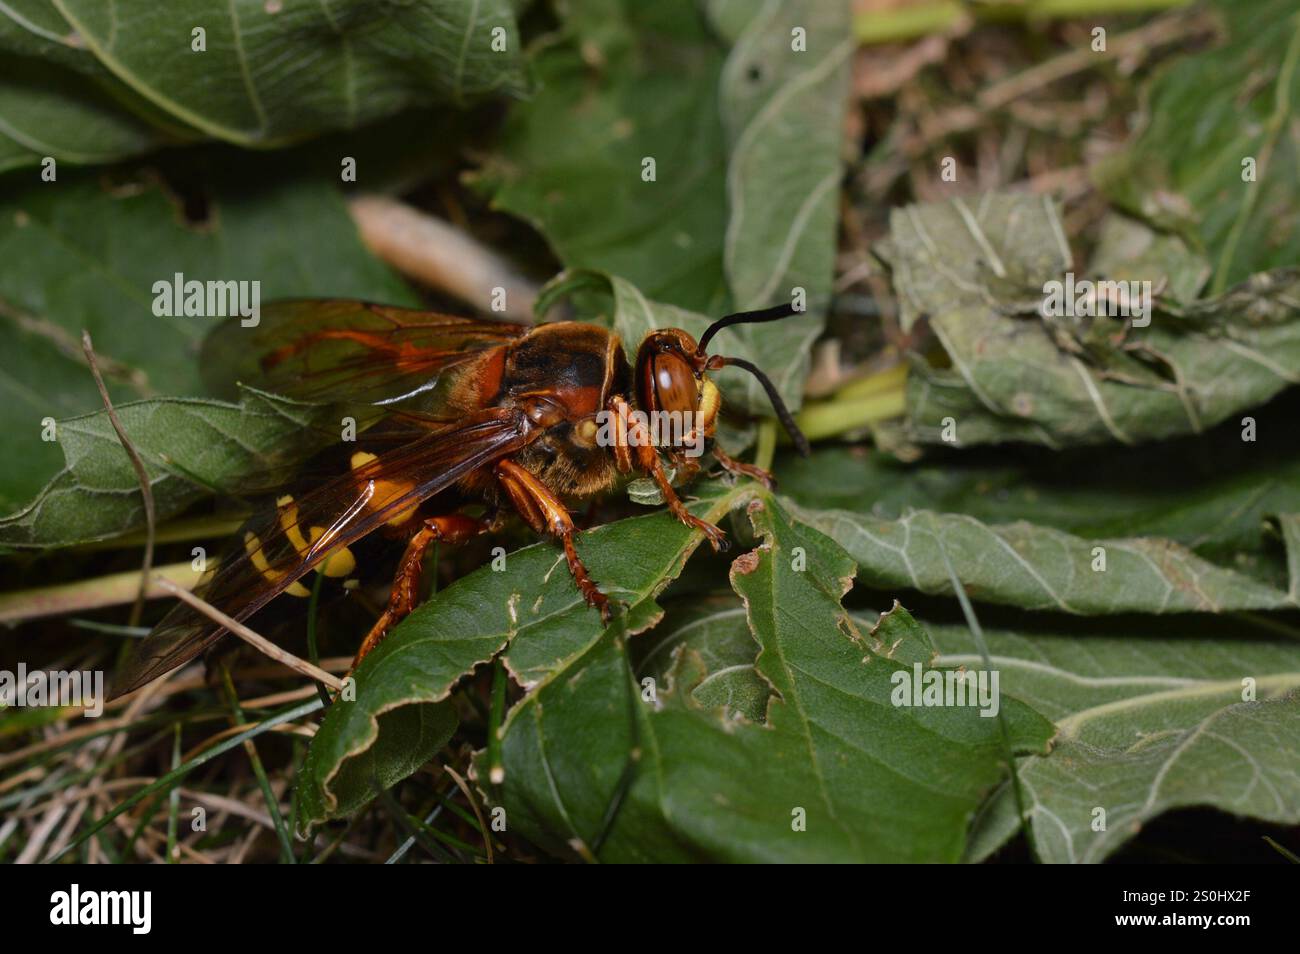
892 378
259 770
837 416
312 653
176 531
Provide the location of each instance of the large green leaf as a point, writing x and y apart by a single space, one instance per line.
977 269
1150 720
271 73
837 772
1036 567
1184 171
1215 505
190 447
81 255
531 611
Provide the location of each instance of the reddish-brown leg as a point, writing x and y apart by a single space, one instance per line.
634 447
741 469
452 528
546 514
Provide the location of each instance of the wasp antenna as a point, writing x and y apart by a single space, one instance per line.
782 412
745 318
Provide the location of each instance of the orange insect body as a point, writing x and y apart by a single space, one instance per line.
527 418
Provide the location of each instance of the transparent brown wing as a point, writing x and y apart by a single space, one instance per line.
280 546
336 349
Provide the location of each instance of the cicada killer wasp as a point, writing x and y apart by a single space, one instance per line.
529 418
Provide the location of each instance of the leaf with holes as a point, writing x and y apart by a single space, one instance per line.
603 765
531 613
979 270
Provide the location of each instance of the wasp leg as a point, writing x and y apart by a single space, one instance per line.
741 469
633 445
452 528
546 514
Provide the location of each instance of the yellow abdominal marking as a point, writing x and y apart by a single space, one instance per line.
386 491
339 562
253 547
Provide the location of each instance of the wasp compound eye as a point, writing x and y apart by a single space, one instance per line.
675 388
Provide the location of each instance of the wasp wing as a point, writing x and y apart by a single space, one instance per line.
281 546
338 349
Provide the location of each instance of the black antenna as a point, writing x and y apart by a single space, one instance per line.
782 412
745 318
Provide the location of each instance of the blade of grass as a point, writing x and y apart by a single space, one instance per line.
312 654
473 804
410 825
259 770
171 778
1282 850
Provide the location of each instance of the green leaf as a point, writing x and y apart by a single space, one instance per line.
189 447
622 82
342 774
784 88
983 253
872 780
80 255
1039 568
1215 505
269 75
532 612
1128 250
46 110
783 105
707 643
1149 721
1184 171
977 269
